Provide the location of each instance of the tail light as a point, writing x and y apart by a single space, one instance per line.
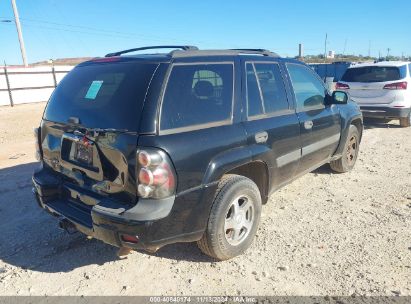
36 133
156 175
128 238
396 86
342 86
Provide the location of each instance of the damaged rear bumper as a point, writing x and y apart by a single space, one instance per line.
152 222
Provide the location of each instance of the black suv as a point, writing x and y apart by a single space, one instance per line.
147 150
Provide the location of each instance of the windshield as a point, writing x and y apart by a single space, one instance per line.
374 74
102 95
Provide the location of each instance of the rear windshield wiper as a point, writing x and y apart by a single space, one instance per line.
110 130
95 132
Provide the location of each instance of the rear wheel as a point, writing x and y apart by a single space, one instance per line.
234 218
350 153
405 121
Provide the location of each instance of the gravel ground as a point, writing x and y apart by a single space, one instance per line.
324 234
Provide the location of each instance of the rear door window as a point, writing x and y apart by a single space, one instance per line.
308 89
374 74
265 89
254 96
198 96
102 95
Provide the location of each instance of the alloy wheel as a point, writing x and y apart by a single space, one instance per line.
352 150
239 220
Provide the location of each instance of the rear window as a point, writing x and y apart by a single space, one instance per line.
102 95
197 96
374 74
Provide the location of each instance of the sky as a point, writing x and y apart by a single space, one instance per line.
76 28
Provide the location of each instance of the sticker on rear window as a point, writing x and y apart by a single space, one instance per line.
94 89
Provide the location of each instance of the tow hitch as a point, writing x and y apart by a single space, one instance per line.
67 226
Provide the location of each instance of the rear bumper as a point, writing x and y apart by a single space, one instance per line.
155 223
384 112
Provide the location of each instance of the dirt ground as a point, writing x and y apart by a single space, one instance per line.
324 234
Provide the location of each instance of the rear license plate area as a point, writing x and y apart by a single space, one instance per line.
83 153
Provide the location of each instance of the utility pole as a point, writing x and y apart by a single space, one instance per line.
325 47
369 48
20 34
345 46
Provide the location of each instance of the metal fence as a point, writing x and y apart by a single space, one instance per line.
26 85
330 70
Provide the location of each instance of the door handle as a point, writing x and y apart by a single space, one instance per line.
308 124
261 137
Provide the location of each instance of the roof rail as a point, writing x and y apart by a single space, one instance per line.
263 52
230 52
182 47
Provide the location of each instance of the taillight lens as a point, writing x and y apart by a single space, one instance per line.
128 238
36 133
156 176
342 86
146 159
396 86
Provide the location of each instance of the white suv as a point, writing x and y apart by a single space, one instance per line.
382 89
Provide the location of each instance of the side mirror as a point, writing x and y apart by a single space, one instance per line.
338 97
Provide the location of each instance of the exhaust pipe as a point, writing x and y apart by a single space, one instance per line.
123 252
67 226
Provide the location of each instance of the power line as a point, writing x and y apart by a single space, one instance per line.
106 32
78 37
101 31
81 32
345 46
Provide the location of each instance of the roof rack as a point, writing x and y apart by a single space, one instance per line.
229 52
182 47
263 52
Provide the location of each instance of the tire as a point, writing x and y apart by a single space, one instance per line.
237 203
405 121
350 154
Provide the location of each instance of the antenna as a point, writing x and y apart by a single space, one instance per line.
369 48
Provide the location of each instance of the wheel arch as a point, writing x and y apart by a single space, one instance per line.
345 128
257 171
239 161
358 123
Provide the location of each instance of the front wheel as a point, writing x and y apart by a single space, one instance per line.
405 121
350 153
234 218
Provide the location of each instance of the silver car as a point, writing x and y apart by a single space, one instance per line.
382 89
